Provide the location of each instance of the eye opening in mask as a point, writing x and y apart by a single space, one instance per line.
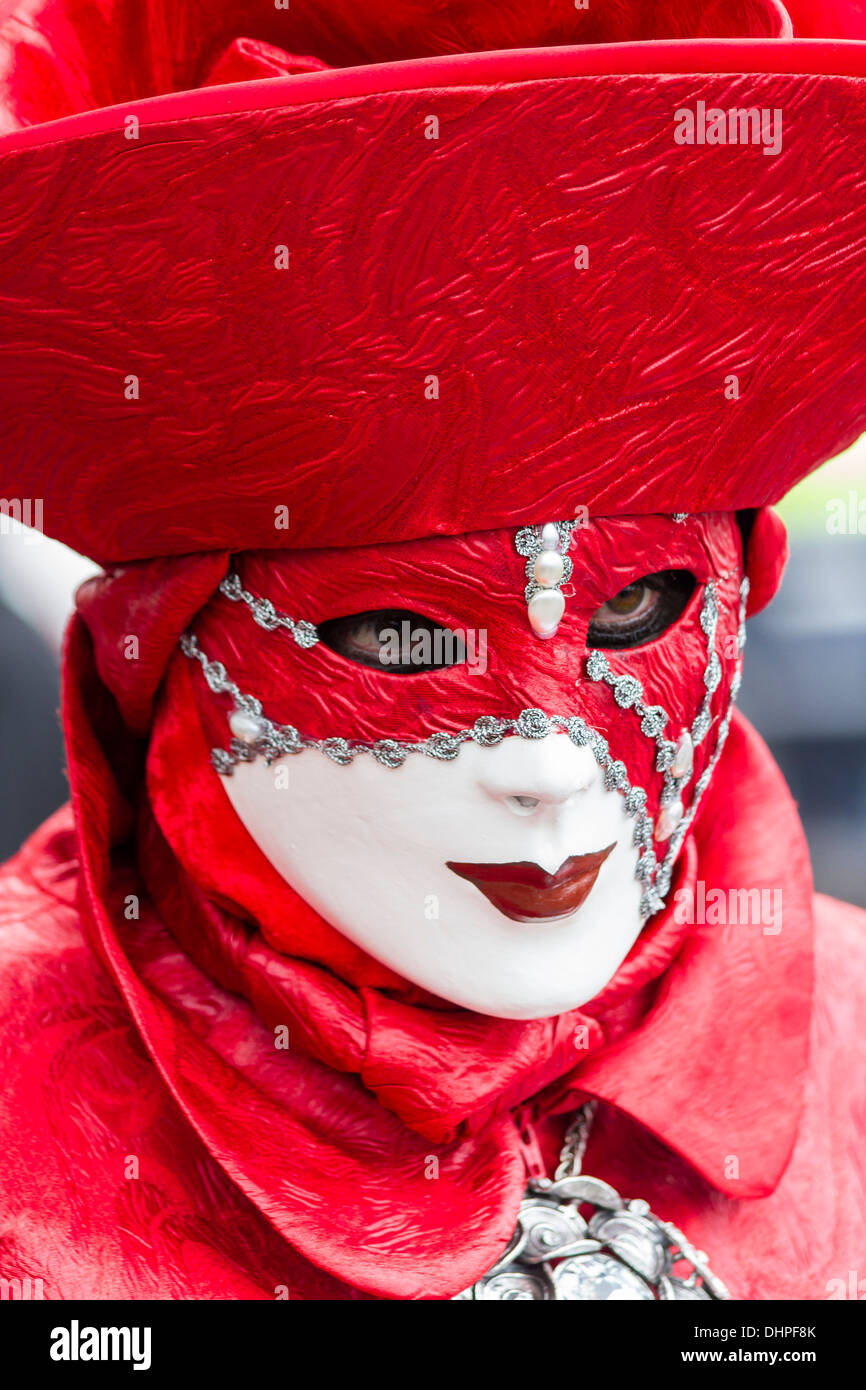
641 611
395 641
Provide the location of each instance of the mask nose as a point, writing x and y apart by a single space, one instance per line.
530 776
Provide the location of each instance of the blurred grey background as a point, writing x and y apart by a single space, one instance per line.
804 681
37 581
804 687
804 677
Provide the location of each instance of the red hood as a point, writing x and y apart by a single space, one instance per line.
332 1139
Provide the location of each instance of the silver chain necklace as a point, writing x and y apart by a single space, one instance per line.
618 1250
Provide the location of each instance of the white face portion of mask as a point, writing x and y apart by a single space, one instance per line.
503 881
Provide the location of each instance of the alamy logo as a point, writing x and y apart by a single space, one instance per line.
21 1290
736 126
410 646
76 1343
21 511
734 907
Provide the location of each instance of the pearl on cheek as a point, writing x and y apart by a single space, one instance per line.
248 728
668 819
684 755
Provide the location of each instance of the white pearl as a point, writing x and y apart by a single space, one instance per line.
669 818
548 568
550 536
246 727
545 610
684 756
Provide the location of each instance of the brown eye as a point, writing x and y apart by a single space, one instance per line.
629 600
394 641
642 610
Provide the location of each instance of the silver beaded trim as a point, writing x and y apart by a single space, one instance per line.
663 878
628 694
266 615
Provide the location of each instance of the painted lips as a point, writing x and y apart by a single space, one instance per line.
526 893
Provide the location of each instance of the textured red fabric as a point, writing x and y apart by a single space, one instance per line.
842 19
60 58
247 59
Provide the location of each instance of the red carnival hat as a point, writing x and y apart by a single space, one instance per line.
370 300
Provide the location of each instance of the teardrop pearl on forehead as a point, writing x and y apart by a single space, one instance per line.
545 550
545 612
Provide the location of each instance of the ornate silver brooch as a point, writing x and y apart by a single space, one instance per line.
576 1238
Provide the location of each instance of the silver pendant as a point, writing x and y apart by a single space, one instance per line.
617 1250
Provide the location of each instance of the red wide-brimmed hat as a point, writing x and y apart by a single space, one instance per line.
368 300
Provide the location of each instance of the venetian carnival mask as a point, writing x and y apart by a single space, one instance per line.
478 756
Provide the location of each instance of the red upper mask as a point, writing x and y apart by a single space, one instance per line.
638 707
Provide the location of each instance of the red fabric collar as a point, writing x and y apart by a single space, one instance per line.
713 1060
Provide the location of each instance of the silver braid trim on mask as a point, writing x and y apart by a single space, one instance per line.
628 694
266 615
273 741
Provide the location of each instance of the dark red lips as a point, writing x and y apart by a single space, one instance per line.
525 893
